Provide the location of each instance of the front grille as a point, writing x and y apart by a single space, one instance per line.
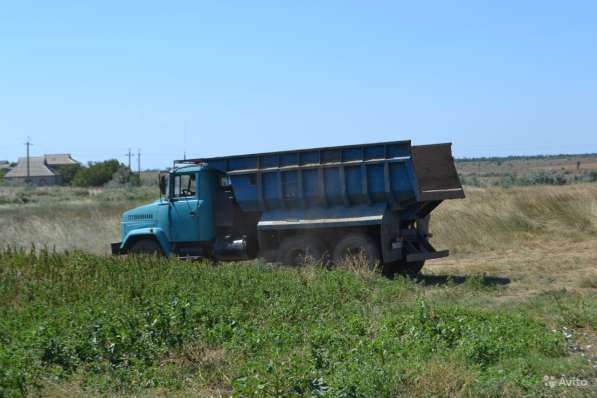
140 217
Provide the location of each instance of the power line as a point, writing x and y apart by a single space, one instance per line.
184 155
139 161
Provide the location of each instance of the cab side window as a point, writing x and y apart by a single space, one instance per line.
185 185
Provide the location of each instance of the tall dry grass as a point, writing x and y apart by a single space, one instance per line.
489 218
65 218
494 218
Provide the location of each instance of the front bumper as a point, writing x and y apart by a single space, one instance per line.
116 248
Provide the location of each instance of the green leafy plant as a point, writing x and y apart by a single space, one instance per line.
124 325
96 174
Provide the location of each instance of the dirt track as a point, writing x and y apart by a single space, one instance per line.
542 265
526 273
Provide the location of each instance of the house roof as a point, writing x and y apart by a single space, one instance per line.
37 168
4 164
59 159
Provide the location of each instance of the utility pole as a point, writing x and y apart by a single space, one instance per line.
184 143
129 154
139 161
28 144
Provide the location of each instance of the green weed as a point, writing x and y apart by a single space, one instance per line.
124 326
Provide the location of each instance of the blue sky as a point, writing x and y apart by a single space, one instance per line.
217 78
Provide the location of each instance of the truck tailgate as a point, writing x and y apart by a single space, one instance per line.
437 178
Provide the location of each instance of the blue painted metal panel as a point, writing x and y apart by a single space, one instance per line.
375 178
184 217
271 192
271 181
247 194
290 189
191 218
310 184
332 185
349 176
157 233
337 216
354 186
309 157
206 187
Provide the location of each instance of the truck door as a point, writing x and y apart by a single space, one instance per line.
184 209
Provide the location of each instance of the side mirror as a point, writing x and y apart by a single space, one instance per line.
163 185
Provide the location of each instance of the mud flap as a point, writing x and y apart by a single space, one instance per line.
391 248
115 247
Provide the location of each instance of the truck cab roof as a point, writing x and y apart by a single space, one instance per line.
190 168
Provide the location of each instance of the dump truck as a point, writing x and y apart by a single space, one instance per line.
372 200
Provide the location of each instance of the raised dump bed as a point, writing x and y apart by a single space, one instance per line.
394 173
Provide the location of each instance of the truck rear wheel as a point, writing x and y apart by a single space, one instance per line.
145 246
268 255
356 247
298 250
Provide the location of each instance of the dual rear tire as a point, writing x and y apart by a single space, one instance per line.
300 249
353 249
356 249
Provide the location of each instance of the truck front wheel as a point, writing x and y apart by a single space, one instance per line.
299 249
145 246
356 247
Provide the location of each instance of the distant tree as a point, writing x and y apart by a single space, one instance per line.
124 176
96 174
68 172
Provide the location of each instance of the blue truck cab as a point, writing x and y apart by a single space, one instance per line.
182 220
321 203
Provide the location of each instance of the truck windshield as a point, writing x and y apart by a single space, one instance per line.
185 185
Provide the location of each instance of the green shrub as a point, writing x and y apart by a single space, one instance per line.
96 174
508 180
470 180
68 172
125 325
548 177
541 177
124 177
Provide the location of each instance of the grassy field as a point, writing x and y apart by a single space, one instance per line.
528 170
65 218
527 164
513 304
